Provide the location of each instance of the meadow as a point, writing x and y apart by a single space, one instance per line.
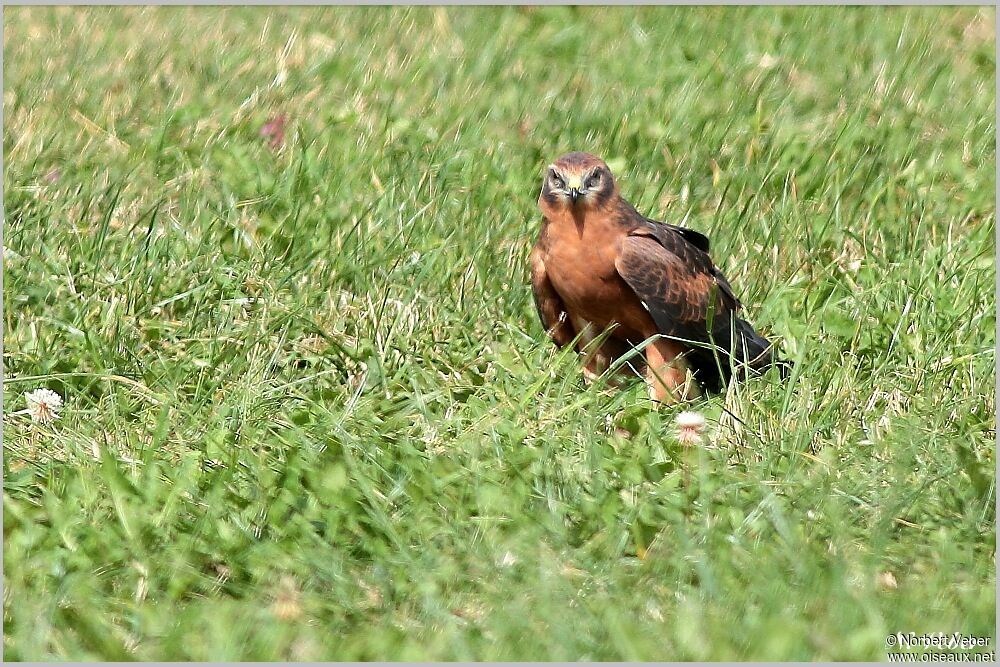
274 260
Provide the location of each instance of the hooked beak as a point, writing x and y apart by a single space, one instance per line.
574 185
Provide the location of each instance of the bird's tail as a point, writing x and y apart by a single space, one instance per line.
752 351
739 350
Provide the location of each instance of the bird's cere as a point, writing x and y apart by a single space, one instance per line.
690 427
43 405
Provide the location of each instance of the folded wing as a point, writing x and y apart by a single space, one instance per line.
690 301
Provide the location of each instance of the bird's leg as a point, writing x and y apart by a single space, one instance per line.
595 361
611 351
667 374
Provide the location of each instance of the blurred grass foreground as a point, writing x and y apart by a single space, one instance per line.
272 265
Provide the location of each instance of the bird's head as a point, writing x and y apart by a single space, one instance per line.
577 181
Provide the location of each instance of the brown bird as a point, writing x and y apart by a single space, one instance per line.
601 267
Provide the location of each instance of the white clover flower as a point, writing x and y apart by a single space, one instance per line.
43 405
690 426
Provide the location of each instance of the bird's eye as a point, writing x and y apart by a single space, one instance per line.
557 182
594 180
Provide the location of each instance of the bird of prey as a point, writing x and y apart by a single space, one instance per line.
608 279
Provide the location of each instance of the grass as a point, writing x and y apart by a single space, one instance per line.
310 413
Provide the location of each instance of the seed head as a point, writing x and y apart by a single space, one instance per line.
690 426
43 405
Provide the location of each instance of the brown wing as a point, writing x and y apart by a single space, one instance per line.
664 233
550 307
676 282
697 239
